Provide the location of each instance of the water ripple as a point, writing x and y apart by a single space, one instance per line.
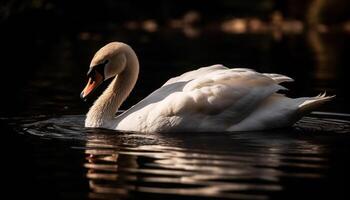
244 165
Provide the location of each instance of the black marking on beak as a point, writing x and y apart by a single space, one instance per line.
100 68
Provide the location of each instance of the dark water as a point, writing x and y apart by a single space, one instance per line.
50 155
63 160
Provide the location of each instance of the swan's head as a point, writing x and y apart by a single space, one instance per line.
109 61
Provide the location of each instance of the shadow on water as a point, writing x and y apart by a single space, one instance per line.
280 164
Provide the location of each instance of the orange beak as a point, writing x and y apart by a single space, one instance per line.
91 85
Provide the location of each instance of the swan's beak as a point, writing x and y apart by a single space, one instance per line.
91 85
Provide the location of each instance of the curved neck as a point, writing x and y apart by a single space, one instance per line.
102 113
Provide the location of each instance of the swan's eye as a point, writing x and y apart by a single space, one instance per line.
91 73
100 68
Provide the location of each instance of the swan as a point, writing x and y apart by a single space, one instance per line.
213 98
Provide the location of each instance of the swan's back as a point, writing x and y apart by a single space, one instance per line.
217 98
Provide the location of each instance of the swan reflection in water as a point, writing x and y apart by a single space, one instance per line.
243 166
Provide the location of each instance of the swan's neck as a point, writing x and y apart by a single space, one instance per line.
102 113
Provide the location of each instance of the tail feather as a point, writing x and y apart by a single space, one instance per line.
308 104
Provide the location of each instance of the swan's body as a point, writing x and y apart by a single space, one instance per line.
213 98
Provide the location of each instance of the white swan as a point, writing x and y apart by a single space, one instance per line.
213 98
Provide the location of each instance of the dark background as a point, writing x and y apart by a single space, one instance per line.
46 47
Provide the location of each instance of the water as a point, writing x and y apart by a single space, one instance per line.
48 154
69 161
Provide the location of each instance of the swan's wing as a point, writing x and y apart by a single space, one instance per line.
173 85
223 96
279 78
195 74
155 101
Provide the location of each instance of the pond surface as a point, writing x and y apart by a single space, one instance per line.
63 160
50 155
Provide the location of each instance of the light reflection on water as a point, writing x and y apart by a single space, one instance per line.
242 165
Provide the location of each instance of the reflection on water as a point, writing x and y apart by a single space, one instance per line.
172 170
242 165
